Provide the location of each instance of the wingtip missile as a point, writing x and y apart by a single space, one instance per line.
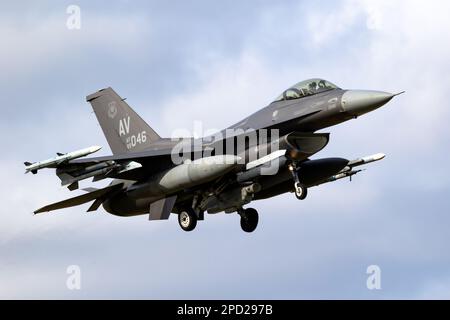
54 162
366 160
374 157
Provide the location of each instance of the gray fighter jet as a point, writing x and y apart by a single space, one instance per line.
264 155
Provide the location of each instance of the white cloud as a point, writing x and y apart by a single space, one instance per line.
438 289
39 44
230 90
329 24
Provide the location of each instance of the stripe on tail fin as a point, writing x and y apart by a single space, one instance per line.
123 128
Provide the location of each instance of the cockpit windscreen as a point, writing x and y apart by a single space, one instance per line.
306 88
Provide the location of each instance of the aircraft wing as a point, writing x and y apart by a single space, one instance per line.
157 158
97 195
320 172
130 166
127 166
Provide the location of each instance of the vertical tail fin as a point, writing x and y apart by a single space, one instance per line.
124 129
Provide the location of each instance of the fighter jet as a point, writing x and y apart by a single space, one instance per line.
267 154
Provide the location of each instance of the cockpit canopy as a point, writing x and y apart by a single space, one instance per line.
306 88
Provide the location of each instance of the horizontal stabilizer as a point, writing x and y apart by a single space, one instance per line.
80 199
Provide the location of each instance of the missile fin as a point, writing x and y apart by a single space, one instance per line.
73 186
96 204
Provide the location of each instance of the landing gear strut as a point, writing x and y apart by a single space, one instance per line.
187 219
301 192
249 219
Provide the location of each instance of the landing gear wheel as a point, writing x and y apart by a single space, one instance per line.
249 219
301 192
187 219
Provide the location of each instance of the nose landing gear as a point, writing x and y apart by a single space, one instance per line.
301 192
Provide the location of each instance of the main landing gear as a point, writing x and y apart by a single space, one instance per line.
249 219
301 192
187 219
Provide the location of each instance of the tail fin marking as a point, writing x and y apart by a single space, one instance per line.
123 128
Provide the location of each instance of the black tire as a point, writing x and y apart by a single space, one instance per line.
303 194
249 220
187 219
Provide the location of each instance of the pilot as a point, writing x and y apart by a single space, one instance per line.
322 84
312 87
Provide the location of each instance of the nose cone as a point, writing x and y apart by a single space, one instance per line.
359 102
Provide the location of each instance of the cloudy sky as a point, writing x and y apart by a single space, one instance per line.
178 62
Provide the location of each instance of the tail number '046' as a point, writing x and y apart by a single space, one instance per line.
135 139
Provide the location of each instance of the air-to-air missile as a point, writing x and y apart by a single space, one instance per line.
348 171
366 160
61 158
